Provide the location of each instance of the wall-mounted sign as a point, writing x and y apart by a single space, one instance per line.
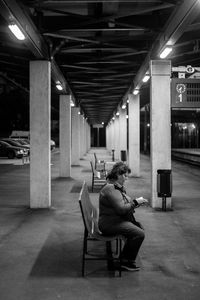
185 93
181 89
190 69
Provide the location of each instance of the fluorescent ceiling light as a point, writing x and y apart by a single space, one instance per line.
123 106
17 32
165 52
146 78
135 92
59 87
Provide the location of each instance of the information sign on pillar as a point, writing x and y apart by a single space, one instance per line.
185 93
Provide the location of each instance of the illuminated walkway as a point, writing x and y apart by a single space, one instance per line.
40 250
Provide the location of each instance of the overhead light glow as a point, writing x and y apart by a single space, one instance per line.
135 92
72 103
126 116
113 118
117 114
146 78
59 87
102 123
165 52
123 106
17 32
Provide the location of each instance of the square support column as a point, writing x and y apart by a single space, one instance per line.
160 120
65 136
82 136
122 130
40 173
134 134
75 136
112 134
116 140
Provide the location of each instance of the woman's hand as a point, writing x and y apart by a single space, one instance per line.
141 201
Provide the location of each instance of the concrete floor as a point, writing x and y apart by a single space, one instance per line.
40 250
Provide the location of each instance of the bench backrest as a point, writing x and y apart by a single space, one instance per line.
89 211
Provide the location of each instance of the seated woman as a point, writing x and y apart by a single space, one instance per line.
116 217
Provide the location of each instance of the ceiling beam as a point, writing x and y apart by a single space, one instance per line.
123 15
177 24
11 10
13 81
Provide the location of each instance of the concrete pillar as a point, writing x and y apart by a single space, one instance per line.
89 136
134 134
112 135
145 129
160 120
116 140
82 152
107 137
122 130
75 136
40 173
85 136
65 136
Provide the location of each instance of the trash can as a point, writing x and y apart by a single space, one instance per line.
123 155
164 185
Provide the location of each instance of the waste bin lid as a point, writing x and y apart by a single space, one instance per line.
161 171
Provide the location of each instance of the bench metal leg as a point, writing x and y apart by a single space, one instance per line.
84 252
110 264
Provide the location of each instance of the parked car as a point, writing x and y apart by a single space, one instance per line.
6 150
24 135
22 142
16 144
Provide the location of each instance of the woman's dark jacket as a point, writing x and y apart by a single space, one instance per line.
113 207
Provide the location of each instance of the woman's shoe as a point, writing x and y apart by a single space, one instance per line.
129 266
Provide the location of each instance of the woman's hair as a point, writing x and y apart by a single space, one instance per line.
118 169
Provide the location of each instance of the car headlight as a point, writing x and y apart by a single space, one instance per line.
20 151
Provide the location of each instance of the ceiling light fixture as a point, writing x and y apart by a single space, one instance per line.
123 106
135 92
17 32
146 78
59 86
165 52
